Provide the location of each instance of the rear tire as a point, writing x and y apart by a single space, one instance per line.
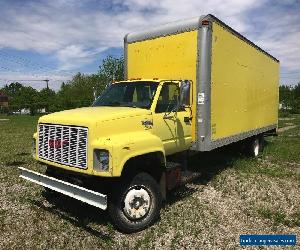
136 204
255 146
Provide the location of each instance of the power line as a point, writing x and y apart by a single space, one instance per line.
286 77
290 73
23 61
26 62
41 80
17 71
33 80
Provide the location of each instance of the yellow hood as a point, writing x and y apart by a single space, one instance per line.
86 116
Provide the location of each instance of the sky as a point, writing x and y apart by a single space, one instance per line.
56 39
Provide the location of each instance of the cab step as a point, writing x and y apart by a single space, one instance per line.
176 177
189 176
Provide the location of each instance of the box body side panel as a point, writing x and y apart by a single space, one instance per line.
167 57
244 86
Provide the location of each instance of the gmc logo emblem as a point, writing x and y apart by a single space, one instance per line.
57 143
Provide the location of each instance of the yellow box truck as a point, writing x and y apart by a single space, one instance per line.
191 85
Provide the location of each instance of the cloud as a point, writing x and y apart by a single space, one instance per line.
51 26
75 32
73 55
276 28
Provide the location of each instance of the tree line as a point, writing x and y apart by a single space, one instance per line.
289 98
81 90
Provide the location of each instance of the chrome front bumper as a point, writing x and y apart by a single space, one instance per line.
85 195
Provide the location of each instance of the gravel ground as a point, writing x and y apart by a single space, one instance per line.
233 196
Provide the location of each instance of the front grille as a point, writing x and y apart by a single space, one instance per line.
66 145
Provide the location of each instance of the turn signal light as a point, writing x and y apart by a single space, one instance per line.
101 160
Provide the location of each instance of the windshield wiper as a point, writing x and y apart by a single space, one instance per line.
114 104
128 104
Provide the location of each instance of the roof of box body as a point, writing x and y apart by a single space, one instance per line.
164 30
148 80
184 26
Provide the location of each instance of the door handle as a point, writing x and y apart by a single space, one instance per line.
187 119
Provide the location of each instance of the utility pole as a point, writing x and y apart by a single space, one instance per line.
47 83
33 80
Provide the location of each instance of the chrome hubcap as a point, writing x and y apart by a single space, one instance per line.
136 203
256 147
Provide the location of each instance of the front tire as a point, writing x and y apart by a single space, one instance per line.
136 204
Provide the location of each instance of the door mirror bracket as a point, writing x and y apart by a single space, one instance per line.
168 116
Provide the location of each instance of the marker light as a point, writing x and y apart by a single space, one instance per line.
205 22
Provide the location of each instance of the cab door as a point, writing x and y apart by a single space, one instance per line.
171 124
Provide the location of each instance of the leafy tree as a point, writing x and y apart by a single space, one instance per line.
296 99
297 91
285 97
21 97
112 69
80 91
12 89
47 99
289 97
28 98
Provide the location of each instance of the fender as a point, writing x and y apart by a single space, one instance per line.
128 145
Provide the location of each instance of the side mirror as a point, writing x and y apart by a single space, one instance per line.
184 99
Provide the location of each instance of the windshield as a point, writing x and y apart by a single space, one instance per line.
128 94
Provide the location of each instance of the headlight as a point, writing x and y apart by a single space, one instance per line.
33 149
101 160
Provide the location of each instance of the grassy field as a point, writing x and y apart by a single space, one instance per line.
234 196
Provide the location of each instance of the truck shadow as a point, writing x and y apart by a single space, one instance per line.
15 163
208 165
77 213
211 163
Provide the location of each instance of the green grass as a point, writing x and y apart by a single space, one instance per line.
234 195
279 218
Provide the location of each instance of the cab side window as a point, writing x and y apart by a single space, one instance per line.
168 98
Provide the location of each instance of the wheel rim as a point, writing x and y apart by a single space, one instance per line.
256 147
137 203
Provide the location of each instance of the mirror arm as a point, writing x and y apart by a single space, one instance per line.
168 116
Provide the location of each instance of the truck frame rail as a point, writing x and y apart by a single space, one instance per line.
82 194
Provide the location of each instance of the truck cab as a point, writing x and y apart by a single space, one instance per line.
126 134
130 118
165 117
